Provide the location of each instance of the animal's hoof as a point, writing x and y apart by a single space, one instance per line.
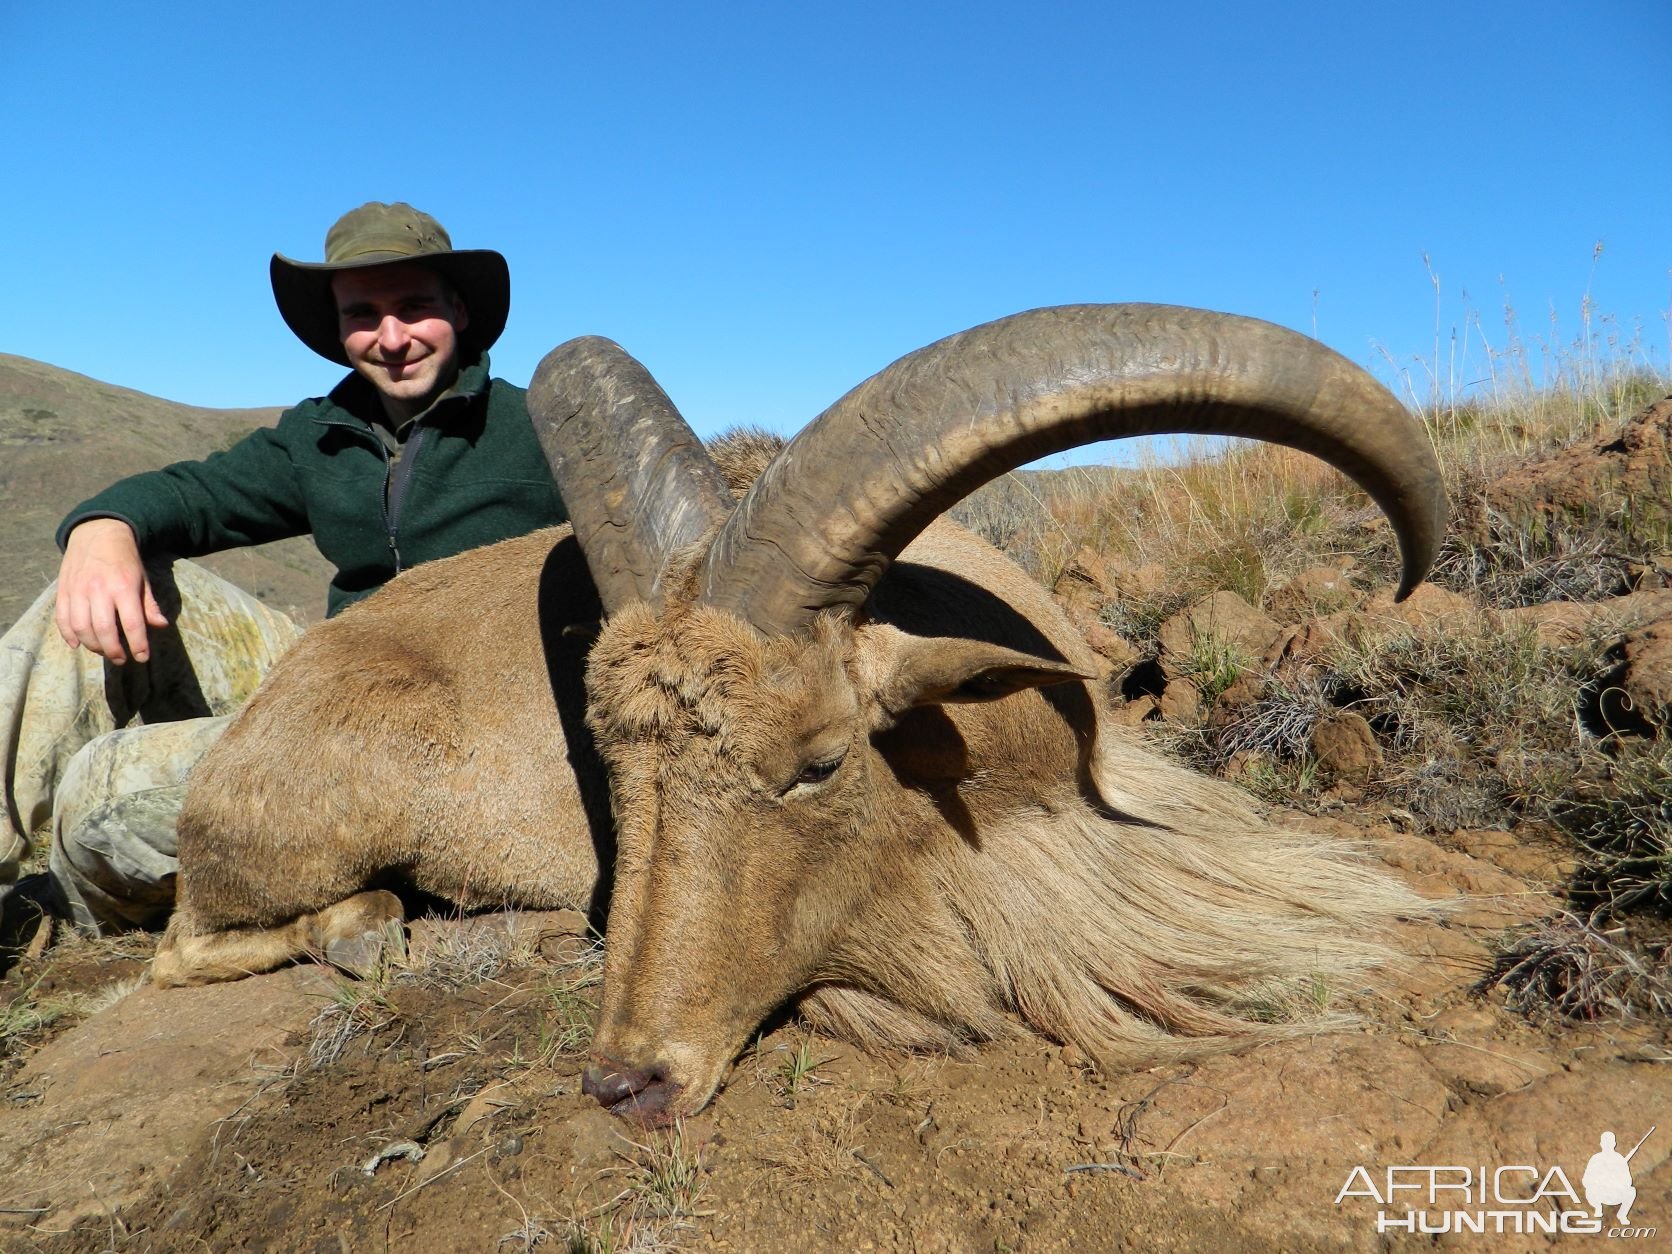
366 954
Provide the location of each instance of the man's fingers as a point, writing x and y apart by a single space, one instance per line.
104 631
61 616
153 612
133 615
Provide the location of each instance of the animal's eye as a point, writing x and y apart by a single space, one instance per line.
818 772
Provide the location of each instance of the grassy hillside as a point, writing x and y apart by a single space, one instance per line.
64 436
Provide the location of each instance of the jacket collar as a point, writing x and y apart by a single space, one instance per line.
357 397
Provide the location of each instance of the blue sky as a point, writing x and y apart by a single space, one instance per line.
766 203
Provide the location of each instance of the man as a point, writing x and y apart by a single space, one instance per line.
417 454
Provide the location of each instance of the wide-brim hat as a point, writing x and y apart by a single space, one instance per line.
376 234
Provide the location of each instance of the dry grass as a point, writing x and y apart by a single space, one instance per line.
29 1012
357 1008
26 1015
468 953
828 1150
610 1233
570 1011
1573 967
1621 813
663 1180
1212 513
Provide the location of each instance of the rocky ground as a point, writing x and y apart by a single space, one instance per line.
439 1107
295 1111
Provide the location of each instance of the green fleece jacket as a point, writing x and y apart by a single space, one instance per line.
471 473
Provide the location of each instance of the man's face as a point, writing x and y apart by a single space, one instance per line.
400 328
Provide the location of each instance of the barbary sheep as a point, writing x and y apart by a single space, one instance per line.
831 751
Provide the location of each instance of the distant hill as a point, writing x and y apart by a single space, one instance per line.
64 436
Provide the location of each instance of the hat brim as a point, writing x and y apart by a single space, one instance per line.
479 275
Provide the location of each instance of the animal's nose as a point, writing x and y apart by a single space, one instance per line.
635 1092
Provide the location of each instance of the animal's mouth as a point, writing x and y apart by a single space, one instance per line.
645 1095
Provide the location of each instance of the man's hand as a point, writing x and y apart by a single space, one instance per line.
102 587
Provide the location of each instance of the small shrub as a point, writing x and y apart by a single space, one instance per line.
1622 819
1570 967
357 1008
26 1015
1213 665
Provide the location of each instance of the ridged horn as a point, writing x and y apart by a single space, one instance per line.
633 475
835 507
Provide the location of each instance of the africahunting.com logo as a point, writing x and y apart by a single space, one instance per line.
1518 1198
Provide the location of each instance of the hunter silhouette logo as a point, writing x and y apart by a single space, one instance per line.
1518 1198
1607 1178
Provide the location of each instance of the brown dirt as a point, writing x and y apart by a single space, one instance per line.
192 1119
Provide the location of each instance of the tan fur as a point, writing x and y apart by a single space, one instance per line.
974 859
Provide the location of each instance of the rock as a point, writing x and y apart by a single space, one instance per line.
1429 607
1247 689
144 1081
1557 1120
441 1156
1645 677
1142 582
1106 644
1084 585
1088 567
1320 590
1487 898
1539 857
1468 1056
1309 643
1222 618
1628 464
1181 703
1346 748
1270 1136
1135 711
1559 623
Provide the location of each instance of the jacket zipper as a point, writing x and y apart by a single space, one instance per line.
396 476
396 479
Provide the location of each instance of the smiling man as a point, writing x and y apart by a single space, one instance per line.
416 455
125 671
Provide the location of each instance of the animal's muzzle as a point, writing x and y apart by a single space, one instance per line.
645 1094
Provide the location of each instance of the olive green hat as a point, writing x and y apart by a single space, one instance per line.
376 234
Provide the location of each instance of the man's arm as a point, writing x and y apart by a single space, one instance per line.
246 495
103 594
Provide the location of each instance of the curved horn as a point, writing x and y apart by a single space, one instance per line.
821 525
634 477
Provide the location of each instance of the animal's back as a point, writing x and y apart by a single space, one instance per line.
435 731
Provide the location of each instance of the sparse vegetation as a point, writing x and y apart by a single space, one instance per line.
356 1008
829 1150
664 1175
1576 967
570 1010
1622 816
788 1072
1213 665
24 1014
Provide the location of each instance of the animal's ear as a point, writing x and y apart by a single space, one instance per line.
935 670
